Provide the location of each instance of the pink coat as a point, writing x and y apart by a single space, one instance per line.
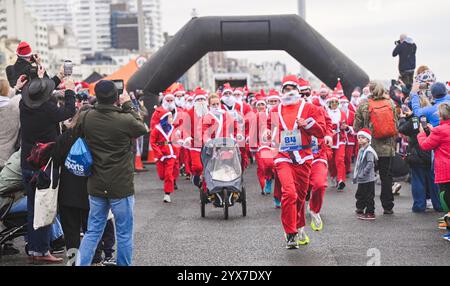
439 141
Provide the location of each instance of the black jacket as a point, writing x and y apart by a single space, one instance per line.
23 67
407 54
41 125
72 189
416 157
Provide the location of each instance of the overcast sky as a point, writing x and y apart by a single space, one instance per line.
365 30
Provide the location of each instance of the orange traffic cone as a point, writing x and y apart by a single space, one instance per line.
138 166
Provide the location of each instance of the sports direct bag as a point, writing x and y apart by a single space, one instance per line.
79 160
382 119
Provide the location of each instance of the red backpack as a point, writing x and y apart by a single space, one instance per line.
382 119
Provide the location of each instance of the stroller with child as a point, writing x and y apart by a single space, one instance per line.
223 176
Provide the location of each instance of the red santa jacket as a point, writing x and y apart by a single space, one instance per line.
338 118
284 118
162 144
192 132
321 151
257 127
224 126
318 101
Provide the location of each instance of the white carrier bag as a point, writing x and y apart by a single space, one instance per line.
46 203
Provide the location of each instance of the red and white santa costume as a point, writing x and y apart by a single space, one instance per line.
319 170
337 163
166 154
194 141
351 135
318 100
235 112
264 152
294 168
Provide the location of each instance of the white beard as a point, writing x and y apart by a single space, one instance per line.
356 101
189 105
290 98
229 100
180 102
239 99
201 109
169 107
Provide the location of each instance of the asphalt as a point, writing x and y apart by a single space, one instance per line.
176 235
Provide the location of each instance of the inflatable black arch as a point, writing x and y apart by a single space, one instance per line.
276 32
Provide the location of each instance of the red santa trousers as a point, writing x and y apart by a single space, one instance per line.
294 181
318 185
337 164
196 163
265 170
166 173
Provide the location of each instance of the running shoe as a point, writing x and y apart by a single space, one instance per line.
303 239
316 222
277 203
291 241
268 188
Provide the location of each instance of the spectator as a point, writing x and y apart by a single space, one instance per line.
9 115
406 50
384 147
439 93
39 120
422 177
439 142
27 64
109 131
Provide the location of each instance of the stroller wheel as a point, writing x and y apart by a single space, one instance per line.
226 204
244 202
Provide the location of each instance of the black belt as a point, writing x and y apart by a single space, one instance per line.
164 143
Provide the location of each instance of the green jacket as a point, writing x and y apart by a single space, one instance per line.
109 131
384 147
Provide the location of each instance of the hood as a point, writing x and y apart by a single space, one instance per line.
409 40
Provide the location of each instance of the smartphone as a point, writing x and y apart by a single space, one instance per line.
405 108
394 82
120 85
424 122
68 68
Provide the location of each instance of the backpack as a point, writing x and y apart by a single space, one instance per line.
382 119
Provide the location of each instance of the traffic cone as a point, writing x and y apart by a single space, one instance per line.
138 166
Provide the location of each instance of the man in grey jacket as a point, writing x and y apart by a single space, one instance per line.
364 176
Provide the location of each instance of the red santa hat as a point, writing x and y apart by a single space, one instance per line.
366 133
324 88
304 84
261 98
169 93
332 97
239 91
356 93
344 99
339 89
24 50
180 89
291 80
274 94
227 88
190 95
200 94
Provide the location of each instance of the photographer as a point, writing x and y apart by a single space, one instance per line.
422 177
27 64
406 50
439 93
39 119
109 130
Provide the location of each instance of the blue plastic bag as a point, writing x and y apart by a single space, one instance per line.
79 161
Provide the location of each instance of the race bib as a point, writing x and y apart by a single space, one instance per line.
290 141
315 145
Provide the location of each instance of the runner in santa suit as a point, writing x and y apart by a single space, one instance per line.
180 101
166 153
355 100
340 129
248 112
233 108
321 100
178 118
263 149
273 101
319 170
351 135
297 121
194 141
188 162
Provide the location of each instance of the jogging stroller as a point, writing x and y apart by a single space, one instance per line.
223 176
15 224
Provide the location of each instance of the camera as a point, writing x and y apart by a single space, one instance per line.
68 68
397 42
120 85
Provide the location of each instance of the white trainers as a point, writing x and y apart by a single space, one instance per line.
167 199
429 204
303 239
316 222
396 189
